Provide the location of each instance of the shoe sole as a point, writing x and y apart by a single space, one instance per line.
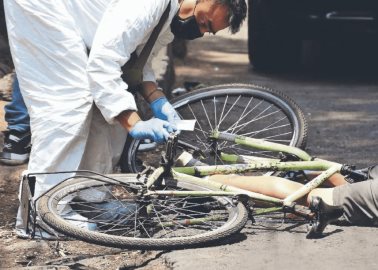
13 159
13 162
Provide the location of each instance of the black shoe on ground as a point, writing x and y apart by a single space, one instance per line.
16 148
324 215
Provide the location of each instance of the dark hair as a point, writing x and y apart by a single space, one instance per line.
237 13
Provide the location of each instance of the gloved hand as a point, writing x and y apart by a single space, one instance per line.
153 129
162 109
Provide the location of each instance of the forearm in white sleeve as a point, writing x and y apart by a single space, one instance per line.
124 26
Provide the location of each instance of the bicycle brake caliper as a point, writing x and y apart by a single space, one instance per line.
169 155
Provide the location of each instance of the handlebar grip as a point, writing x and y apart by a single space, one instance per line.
358 176
355 175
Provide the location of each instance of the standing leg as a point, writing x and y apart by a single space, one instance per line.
50 56
16 148
50 59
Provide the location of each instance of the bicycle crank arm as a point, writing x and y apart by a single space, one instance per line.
196 150
299 210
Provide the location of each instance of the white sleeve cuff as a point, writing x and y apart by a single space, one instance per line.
115 104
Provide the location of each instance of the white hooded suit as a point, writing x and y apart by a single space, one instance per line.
73 97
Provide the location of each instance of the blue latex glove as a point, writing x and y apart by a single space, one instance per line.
162 109
153 129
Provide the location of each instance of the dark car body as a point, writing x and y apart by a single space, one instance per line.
276 27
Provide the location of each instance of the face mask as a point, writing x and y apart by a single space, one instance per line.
185 28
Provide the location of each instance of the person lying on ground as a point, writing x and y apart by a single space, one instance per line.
358 200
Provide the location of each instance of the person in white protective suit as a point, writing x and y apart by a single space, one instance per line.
79 107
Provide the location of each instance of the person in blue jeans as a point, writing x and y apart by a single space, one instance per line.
16 148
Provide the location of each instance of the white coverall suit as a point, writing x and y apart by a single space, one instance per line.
73 98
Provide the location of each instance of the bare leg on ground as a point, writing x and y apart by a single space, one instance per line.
272 186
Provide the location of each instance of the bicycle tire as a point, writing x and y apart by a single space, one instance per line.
251 96
48 211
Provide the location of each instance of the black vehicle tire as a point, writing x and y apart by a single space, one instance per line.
272 43
283 121
135 231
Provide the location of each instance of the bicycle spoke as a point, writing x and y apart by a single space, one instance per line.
280 141
236 149
203 143
186 210
198 122
221 116
232 106
207 116
250 111
273 136
256 118
187 214
241 117
120 221
215 112
269 128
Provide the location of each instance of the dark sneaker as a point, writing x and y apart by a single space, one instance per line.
16 149
324 215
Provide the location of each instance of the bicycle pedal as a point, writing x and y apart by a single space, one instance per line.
243 198
288 157
251 217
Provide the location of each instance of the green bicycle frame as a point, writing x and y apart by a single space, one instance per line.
192 174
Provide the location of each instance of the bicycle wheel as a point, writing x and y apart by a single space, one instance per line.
242 109
130 221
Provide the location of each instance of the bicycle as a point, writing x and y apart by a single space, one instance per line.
172 207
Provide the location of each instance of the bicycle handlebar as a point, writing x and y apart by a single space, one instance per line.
350 172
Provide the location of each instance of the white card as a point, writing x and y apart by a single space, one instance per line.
185 124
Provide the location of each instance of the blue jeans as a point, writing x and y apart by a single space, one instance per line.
16 113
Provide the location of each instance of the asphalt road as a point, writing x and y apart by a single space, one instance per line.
337 87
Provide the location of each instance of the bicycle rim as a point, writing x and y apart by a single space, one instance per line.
162 222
